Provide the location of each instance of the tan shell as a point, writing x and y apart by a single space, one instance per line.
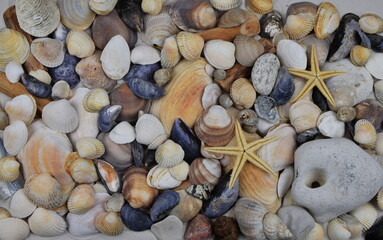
366 214
82 170
260 6
109 223
9 169
190 45
15 137
46 223
146 137
49 52
233 17
247 50
152 7
304 115
37 20
95 100
337 229
41 75
160 178
115 58
80 44
169 154
14 71
114 203
205 170
379 199
300 25
90 148
14 228
180 171
144 55
365 133
60 116
327 20
81 199
317 233
187 208
359 55
4 213
274 228
371 23
225 5
43 190
243 93
354 226
22 107
14 47
220 54
102 7
20 205
170 54
61 90
76 14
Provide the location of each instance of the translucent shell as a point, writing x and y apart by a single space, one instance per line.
22 107
109 223
81 199
80 44
169 154
365 133
300 25
76 14
46 223
49 52
60 116
260 6
14 47
95 100
190 45
327 20
9 169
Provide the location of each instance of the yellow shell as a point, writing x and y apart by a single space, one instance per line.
13 47
379 199
95 100
4 213
80 44
260 6
169 154
243 93
102 7
371 23
76 14
90 148
9 169
327 20
4 120
304 115
299 26
365 133
190 45
109 223
81 199
317 233
152 7
49 52
359 55
366 214
170 55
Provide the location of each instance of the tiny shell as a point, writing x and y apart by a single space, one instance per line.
169 154
20 206
220 54
61 90
366 214
247 50
122 133
145 55
14 71
327 20
152 7
60 116
114 203
260 6
9 169
115 58
81 199
300 25
46 223
80 44
359 55
14 228
204 170
242 93
95 100
371 23
365 133
274 228
291 54
15 138
49 52
109 223
102 7
90 148
190 45
330 126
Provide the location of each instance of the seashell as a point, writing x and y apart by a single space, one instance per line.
4 120
247 50
60 33
95 100
46 223
169 154
163 205
190 45
304 115
260 6
53 116
14 47
75 14
90 148
99 188
365 133
322 47
14 71
109 223
337 229
242 93
162 76
225 228
115 58
371 23
285 50
160 178
49 52
317 233
180 171
152 7
145 55
193 16
379 147
122 133
102 7
379 199
114 203
285 181
43 190
108 176
299 26
374 65
15 137
271 24
353 225
80 44
263 77
220 54
366 214
20 206
225 5
83 170
225 101
233 17
146 137
107 117
359 55
35 87
131 14
4 213
14 228
61 90
330 126
199 227
66 71
204 170
135 219
327 20
41 75
187 208
170 54
210 95
214 126
81 199
247 117
274 229
136 190
265 108
200 191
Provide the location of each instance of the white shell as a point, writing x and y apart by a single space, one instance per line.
378 90
144 55
304 115
291 54
13 71
160 178
379 199
102 7
170 55
13 228
80 44
329 125
22 107
366 214
375 65
285 180
210 95
220 54
180 171
60 116
274 228
20 206
46 223
145 122
169 154
61 90
353 225
15 137
41 75
115 58
122 133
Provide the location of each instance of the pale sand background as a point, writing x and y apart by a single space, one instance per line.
344 6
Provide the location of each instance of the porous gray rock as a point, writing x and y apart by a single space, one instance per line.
171 228
297 220
265 72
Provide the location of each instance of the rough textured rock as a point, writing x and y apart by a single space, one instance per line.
265 72
199 228
297 220
171 228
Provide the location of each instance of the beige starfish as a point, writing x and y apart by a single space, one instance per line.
315 77
244 152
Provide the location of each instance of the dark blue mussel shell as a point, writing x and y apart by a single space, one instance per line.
149 160
165 202
376 42
376 231
222 197
107 116
35 87
320 100
186 138
66 71
135 219
137 153
284 87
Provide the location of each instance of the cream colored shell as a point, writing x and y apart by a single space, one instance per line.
80 44
60 116
14 71
190 45
90 148
220 54
169 154
81 199
115 58
160 178
102 7
109 223
95 100
14 47
20 205
9 169
49 52
22 107
15 137
46 223
14 228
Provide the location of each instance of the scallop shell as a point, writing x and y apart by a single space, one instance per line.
170 55
95 100
304 115
187 208
114 203
80 44
327 20
375 65
353 225
274 229
44 191
14 228
46 223
243 93
38 18
4 213
145 122
102 7
49 52
145 55
220 54
41 75
371 23
115 58
90 148
233 17
291 54
365 133
14 47
260 6
15 138
20 205
122 133
83 170
81 199
379 199
190 45
9 169
60 116
109 223
300 25
359 55
317 233
180 171
225 5
76 14
160 178
204 170
14 71
22 107
152 7
366 214
61 90
169 154
247 50
337 229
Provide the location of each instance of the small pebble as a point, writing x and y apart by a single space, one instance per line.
346 114
219 74
162 76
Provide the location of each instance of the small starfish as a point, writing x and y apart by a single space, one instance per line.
244 152
315 77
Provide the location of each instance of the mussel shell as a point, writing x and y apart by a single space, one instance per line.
284 87
108 176
376 42
138 153
131 14
107 116
320 100
307 135
163 204
35 87
145 72
66 71
135 219
186 138
149 160
271 24
265 109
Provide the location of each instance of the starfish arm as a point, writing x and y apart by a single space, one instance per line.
306 88
259 143
239 136
254 159
301 73
314 60
324 90
328 74
239 163
233 151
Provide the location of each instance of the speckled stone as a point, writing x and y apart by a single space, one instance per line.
171 228
199 228
265 108
265 72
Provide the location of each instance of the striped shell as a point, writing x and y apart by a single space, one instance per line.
143 136
327 20
95 100
109 223
82 170
180 171
90 148
365 133
15 137
80 44
102 7
242 93
81 199
76 14
299 26
46 223
274 228
9 169
20 206
379 199
247 50
160 178
60 116
260 6
14 47
49 52
14 228
371 23
205 170
190 45
169 154
317 233
225 5
170 54
359 55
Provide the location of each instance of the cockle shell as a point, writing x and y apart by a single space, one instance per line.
61 90
22 107
14 47
225 5
233 17
359 55
122 133
220 54
95 100
14 228
109 223
80 44
170 54
304 115
187 208
327 20
146 137
144 55
81 199
243 93
49 52
329 125
90 148
300 25
152 7
9 169
260 6
38 18
371 23
115 58
366 214
114 203
60 116
247 50
15 138
317 233
76 14
190 45
374 65
20 205
102 7
287 49
180 171
205 170
160 178
365 133
14 71
46 223
337 229
169 154
274 229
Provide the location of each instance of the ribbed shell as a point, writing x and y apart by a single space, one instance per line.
76 14
260 6
114 203
220 54
274 229
366 214
60 116
169 154
95 100
4 213
247 50
49 52
300 25
81 199
225 5
145 122
204 170
102 7
80 44
109 223
379 199
122 133
15 137
190 45
365 133
14 228
9 169
242 93
22 107
180 171
317 233
337 229
20 206
90 148
83 171
327 20
152 7
160 178
14 47
170 55
46 223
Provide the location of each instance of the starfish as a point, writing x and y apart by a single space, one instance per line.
244 152
315 77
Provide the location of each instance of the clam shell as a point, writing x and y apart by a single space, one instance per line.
260 6
170 54
287 49
337 229
371 23
330 126
180 171
109 223
359 55
225 5
247 50
60 116
152 7
205 170
14 228
14 47
4 213
274 229
115 58
353 225
22 107
169 154
365 133
90 148
15 138
220 54
327 20
187 208
190 45
233 17
20 206
145 55
38 18
304 115
102 7
114 203
81 199
41 75
210 95
122 133
375 65
14 71
243 93
83 171
95 100
160 178
317 233
49 52
299 26
76 14
80 44
46 223
366 214
146 137
61 90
